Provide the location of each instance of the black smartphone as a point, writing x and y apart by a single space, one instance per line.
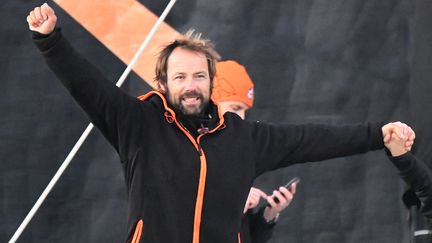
287 186
292 181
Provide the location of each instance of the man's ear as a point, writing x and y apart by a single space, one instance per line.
161 87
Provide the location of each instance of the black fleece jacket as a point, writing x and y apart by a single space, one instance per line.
254 228
183 189
418 177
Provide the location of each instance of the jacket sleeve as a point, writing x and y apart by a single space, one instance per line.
418 176
260 230
282 145
107 106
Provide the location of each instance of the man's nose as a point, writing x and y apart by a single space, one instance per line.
190 84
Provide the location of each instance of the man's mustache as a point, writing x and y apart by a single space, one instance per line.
191 94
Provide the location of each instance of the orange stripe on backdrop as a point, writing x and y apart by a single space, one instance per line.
122 26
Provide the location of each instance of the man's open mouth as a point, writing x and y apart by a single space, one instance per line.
191 100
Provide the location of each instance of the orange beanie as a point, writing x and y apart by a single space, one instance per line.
232 83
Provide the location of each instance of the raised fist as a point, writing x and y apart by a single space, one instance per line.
42 19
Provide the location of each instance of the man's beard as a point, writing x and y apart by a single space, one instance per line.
179 107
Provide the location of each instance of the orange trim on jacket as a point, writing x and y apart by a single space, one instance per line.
138 231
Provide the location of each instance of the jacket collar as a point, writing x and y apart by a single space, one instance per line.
217 119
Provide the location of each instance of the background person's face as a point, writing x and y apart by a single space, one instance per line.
188 81
237 107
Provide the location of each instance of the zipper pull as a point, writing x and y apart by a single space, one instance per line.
203 129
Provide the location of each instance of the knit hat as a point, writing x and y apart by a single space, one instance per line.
232 83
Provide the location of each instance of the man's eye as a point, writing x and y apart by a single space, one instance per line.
235 108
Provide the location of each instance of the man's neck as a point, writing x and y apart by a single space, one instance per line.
196 124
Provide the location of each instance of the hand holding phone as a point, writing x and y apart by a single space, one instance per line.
288 186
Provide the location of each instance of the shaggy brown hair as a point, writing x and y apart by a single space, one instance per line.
192 41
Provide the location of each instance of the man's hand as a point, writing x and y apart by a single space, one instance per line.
402 131
253 199
42 19
396 146
284 197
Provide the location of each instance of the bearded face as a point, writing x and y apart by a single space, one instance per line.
188 86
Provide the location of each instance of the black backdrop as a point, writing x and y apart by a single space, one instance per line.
333 61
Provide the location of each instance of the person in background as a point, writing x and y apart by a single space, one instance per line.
418 176
233 91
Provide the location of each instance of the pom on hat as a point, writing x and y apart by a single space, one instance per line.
232 83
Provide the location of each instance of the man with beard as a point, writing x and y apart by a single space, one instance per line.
188 170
